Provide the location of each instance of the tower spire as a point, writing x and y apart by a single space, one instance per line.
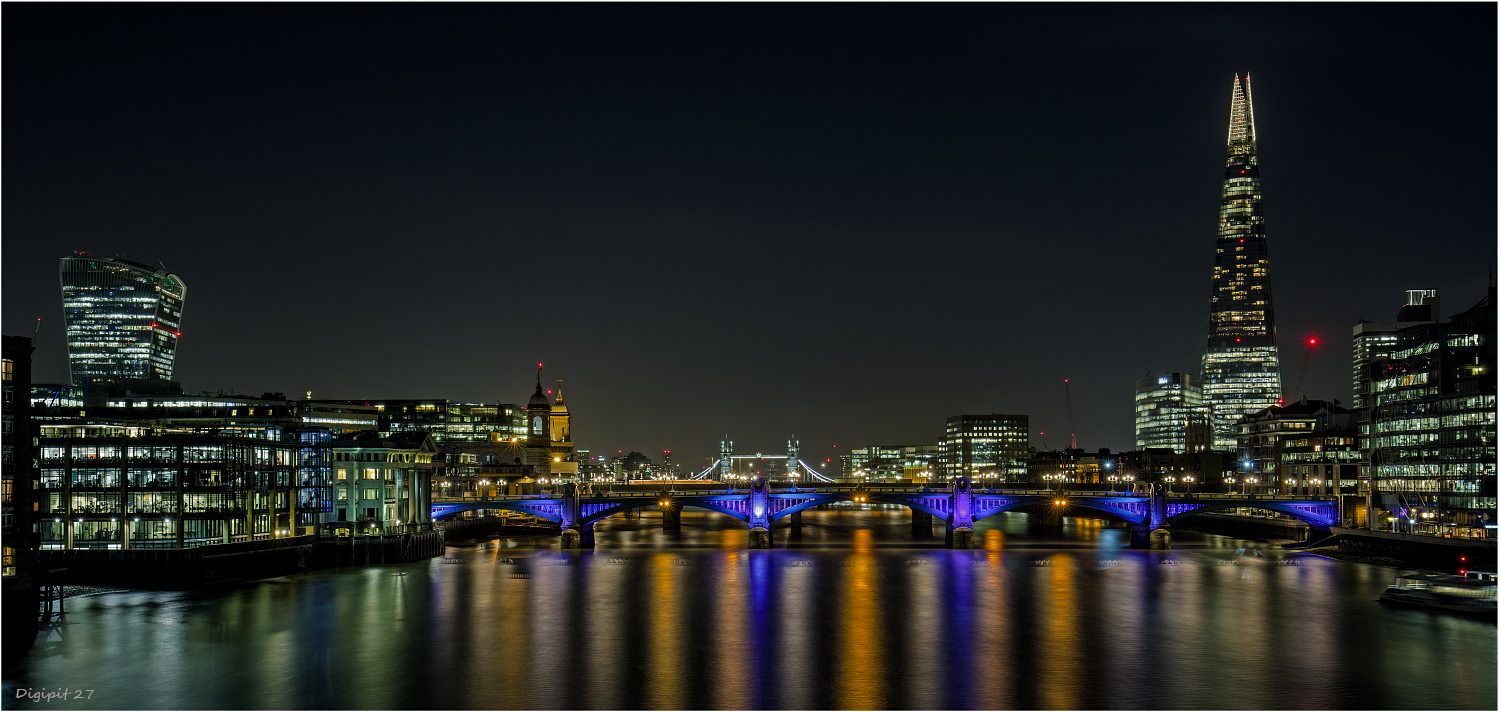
1241 117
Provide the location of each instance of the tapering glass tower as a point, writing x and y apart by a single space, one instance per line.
1241 368
122 318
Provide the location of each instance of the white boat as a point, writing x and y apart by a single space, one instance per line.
1472 593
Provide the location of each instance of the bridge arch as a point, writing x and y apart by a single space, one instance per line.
550 510
1318 514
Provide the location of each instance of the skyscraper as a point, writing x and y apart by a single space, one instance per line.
1165 408
1241 368
122 318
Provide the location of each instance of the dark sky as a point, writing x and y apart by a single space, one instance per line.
846 222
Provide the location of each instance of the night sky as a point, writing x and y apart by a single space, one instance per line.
845 222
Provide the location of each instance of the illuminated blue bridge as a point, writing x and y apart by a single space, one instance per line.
959 507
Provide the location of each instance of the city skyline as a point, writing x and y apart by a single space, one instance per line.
885 252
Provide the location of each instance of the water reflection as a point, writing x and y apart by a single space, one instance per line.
856 612
861 674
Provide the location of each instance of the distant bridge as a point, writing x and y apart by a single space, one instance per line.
959 507
723 467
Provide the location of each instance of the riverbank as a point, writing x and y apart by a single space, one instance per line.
220 564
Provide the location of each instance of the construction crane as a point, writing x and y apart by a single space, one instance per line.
1312 344
1072 432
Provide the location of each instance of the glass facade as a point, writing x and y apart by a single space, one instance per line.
893 462
127 488
1241 364
1432 427
1165 406
451 421
985 447
122 318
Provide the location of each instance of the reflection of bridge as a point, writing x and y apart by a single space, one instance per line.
958 507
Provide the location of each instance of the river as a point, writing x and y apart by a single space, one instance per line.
855 612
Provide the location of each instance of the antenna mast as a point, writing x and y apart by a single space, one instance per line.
1072 432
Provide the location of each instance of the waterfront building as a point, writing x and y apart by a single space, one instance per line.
1241 364
1167 407
1432 426
1280 448
989 447
382 485
16 473
1374 342
893 463
217 412
1198 470
130 485
122 319
1070 466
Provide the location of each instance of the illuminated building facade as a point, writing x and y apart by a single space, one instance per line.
383 485
1432 426
1374 342
988 447
1306 447
130 486
122 319
1241 365
1167 408
892 462
452 421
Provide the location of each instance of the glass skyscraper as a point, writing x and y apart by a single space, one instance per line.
1166 407
1241 367
122 318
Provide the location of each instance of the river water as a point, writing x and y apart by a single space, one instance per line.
856 612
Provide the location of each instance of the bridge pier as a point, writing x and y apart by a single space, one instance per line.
1047 515
760 538
921 523
961 521
1142 536
796 518
671 517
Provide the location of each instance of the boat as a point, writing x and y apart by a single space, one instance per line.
1473 593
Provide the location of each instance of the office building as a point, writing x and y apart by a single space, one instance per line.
893 463
131 486
1241 364
991 448
1432 426
1167 407
1374 343
452 421
16 473
122 319
1305 447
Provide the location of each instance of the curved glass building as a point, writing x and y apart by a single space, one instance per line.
1241 366
122 318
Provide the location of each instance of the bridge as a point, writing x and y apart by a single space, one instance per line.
791 466
1150 514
